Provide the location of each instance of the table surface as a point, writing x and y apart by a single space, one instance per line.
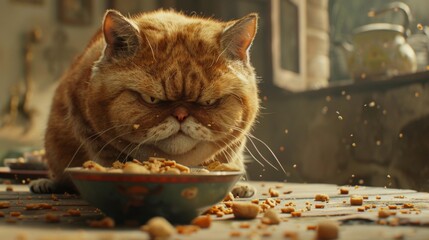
408 223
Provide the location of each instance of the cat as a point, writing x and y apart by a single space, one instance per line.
157 84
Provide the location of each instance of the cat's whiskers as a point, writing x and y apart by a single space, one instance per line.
251 137
137 147
110 141
125 149
94 136
248 150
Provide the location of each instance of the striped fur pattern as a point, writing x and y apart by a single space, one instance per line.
156 84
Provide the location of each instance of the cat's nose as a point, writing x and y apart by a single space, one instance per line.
180 113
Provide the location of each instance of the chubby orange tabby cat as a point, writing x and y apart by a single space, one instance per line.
157 84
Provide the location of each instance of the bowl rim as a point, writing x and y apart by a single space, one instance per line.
78 173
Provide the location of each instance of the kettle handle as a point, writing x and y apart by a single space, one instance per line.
396 6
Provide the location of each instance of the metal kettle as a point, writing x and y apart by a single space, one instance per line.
380 50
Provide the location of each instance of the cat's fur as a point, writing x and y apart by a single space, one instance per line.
158 84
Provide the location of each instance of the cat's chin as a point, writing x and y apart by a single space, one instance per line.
177 144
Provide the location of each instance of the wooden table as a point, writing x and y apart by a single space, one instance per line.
408 223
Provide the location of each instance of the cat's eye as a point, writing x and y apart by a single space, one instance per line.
150 99
210 102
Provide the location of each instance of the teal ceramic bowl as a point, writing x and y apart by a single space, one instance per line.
139 197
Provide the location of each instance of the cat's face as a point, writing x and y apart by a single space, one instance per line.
173 83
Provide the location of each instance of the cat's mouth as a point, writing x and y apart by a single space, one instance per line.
177 144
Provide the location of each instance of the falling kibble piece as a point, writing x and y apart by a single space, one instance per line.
327 230
158 228
244 210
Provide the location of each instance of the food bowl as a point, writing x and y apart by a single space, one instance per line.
138 197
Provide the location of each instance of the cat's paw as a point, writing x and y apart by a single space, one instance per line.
243 190
43 185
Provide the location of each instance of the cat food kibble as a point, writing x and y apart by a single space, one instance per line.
218 166
186 229
74 212
202 221
327 230
152 165
106 222
15 214
4 204
356 200
384 213
158 228
287 209
245 210
52 218
296 214
271 216
321 197
344 191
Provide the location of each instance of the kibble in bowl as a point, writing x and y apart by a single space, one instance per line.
157 187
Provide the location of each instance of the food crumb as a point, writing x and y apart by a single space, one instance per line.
356 200
271 217
296 214
344 191
319 206
311 227
186 229
245 210
4 204
408 205
73 212
321 197
290 235
244 225
106 222
327 230
384 213
52 218
202 221
158 227
15 214
288 210
235 234
9 189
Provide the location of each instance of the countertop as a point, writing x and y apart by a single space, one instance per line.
411 219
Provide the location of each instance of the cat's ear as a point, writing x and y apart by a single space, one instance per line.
238 37
121 35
